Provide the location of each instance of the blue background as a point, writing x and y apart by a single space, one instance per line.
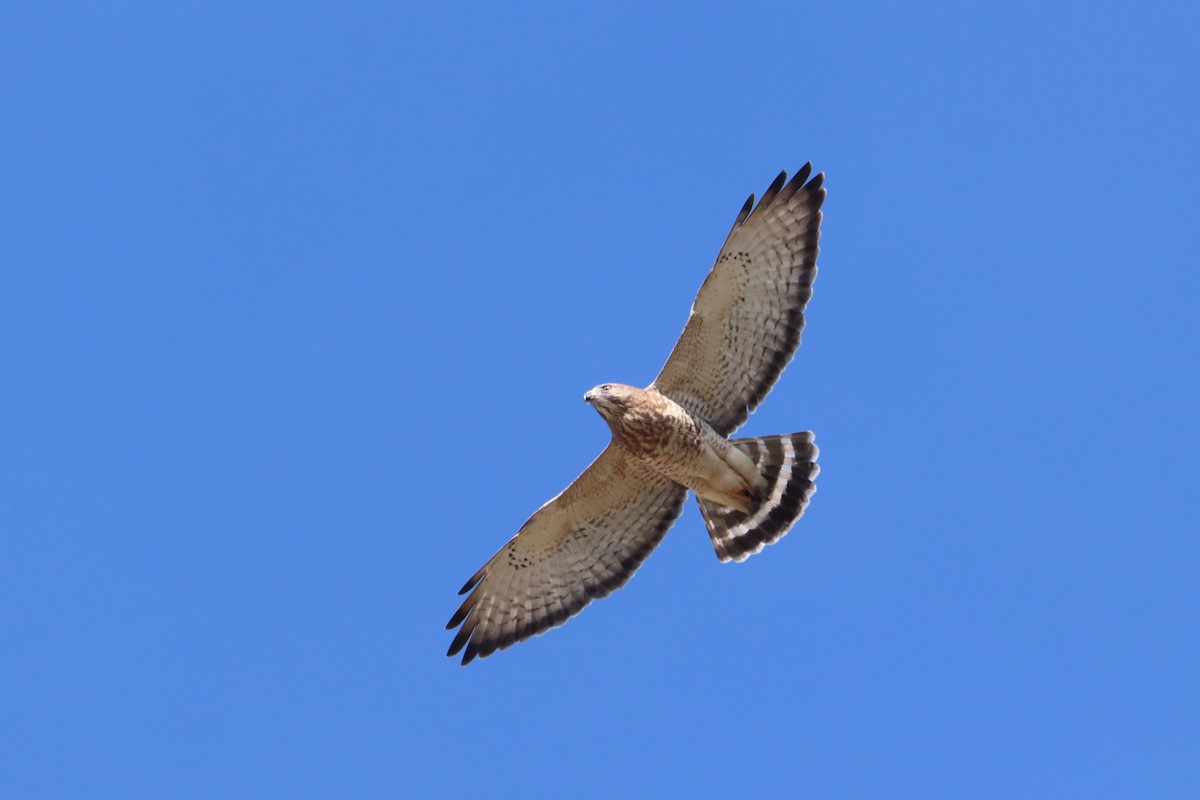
298 301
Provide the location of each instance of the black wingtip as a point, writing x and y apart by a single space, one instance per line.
473 581
456 645
460 615
797 181
459 641
773 189
745 212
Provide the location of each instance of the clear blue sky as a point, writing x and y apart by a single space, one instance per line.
298 302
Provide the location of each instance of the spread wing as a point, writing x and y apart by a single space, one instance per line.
583 544
746 321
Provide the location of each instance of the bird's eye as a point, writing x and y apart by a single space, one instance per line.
606 387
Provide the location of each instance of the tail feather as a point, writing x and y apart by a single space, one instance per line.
789 465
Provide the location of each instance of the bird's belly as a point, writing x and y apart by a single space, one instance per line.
663 436
692 460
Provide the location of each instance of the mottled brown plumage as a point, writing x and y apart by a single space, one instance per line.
655 431
671 437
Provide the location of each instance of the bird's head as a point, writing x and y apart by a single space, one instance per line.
609 399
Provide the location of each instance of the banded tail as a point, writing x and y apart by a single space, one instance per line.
789 464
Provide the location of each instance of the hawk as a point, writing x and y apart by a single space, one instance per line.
672 437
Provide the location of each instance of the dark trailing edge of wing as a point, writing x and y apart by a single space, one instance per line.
778 192
564 607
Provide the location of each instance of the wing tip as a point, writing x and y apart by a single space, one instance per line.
783 189
744 214
801 175
461 614
774 189
473 581
460 639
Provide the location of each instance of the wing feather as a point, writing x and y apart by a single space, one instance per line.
582 545
746 321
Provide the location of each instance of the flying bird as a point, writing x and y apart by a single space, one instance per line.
672 437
